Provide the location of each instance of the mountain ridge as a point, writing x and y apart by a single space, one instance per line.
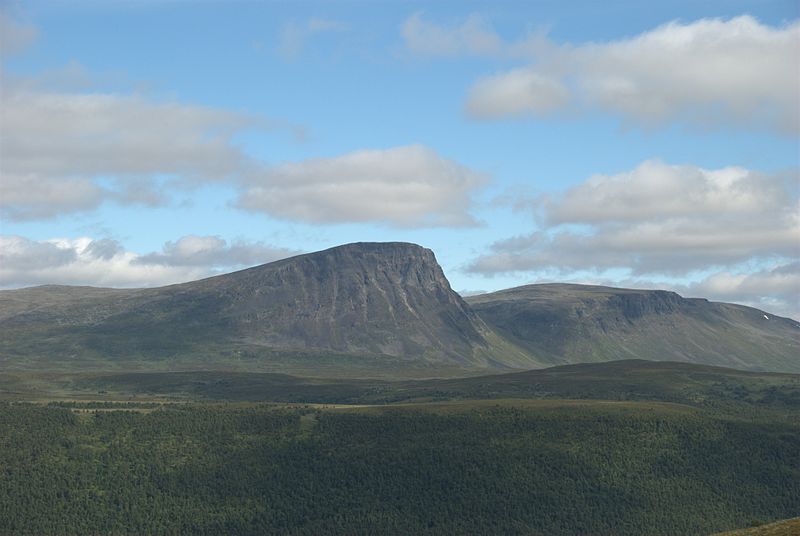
373 305
618 323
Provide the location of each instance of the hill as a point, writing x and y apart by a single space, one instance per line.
563 323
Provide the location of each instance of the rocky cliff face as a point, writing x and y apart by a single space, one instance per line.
385 298
369 299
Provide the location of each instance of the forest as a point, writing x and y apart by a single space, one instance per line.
536 467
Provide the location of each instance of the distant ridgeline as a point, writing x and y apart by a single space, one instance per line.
372 310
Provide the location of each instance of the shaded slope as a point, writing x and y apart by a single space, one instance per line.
562 323
367 299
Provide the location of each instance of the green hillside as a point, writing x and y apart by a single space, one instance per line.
720 389
492 467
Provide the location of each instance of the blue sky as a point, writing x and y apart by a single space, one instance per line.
650 145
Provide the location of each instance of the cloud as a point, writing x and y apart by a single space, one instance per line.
56 147
707 73
658 219
520 91
295 36
92 134
409 186
105 262
64 153
775 289
14 36
655 190
194 250
30 196
474 36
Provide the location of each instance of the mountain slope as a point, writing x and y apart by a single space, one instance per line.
561 323
375 310
366 299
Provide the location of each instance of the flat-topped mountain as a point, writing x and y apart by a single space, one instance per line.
375 309
364 299
564 323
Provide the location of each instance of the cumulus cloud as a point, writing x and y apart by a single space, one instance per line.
62 134
658 219
708 73
64 153
56 147
294 36
409 186
521 91
105 262
655 190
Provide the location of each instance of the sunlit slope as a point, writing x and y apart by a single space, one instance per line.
788 527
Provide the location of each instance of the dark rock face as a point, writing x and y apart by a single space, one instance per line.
636 305
366 298
388 298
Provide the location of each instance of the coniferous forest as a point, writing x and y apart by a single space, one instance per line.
473 467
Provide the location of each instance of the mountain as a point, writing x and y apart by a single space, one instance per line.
374 310
388 300
562 323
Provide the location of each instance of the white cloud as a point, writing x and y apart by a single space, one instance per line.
408 186
707 73
56 147
655 191
295 36
66 134
520 91
658 219
69 152
104 262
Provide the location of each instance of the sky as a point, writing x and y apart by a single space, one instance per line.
635 144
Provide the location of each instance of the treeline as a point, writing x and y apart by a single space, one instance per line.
486 469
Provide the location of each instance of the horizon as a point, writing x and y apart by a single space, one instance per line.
149 142
463 294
